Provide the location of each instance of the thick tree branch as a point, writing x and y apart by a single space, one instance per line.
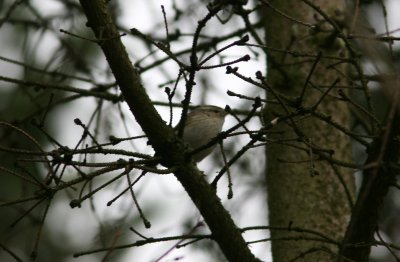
381 174
162 137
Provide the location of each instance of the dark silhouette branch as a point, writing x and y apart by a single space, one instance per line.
379 175
162 137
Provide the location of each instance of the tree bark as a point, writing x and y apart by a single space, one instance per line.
306 189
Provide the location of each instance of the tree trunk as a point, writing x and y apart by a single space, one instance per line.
307 190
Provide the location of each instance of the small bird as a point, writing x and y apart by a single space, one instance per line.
202 124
